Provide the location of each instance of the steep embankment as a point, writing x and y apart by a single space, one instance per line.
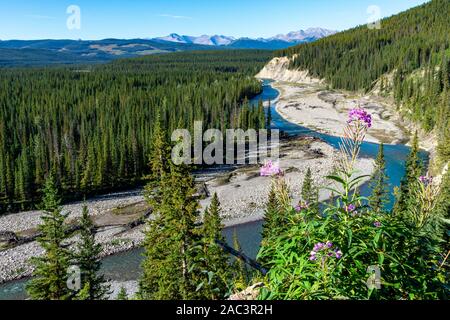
278 70
307 101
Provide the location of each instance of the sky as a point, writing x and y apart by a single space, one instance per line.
100 19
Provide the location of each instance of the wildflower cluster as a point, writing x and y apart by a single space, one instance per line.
351 208
324 251
426 180
302 206
361 115
271 169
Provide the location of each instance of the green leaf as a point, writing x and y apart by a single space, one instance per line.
337 179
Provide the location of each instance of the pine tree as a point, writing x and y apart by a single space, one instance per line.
269 117
310 193
122 294
170 239
88 259
215 267
241 273
50 276
379 184
271 216
159 162
159 157
414 168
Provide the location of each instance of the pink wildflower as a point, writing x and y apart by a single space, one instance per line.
361 115
270 169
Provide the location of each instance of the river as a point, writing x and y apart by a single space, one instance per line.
126 266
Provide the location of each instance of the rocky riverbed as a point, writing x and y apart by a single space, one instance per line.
307 101
241 191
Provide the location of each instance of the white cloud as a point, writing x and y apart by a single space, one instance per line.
40 17
174 16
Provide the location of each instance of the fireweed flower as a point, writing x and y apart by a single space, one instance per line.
350 208
318 246
359 114
301 207
426 180
325 250
270 169
377 224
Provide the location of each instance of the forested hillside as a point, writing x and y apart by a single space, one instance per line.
409 57
93 126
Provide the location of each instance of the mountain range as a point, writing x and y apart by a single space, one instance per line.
280 40
47 51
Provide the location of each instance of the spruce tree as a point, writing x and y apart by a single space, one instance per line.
171 238
271 216
269 117
159 162
88 259
122 294
215 266
159 157
379 184
241 273
50 276
414 168
310 193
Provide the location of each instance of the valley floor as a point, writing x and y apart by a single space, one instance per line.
306 101
313 106
242 192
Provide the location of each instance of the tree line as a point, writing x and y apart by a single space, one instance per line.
92 127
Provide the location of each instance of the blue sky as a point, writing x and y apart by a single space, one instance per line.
30 19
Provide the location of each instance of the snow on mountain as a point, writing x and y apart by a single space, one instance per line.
280 41
302 35
216 40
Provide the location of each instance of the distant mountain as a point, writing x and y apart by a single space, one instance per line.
307 35
280 41
216 40
263 44
45 52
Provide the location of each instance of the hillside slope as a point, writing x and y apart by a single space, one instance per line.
408 58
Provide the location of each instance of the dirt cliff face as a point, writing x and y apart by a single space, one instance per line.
278 70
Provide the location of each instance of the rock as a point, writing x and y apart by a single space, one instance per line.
8 237
251 293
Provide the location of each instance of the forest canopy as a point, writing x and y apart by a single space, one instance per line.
92 126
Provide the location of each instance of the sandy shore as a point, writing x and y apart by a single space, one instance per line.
306 101
313 106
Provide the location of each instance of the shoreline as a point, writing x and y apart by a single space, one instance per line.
331 120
